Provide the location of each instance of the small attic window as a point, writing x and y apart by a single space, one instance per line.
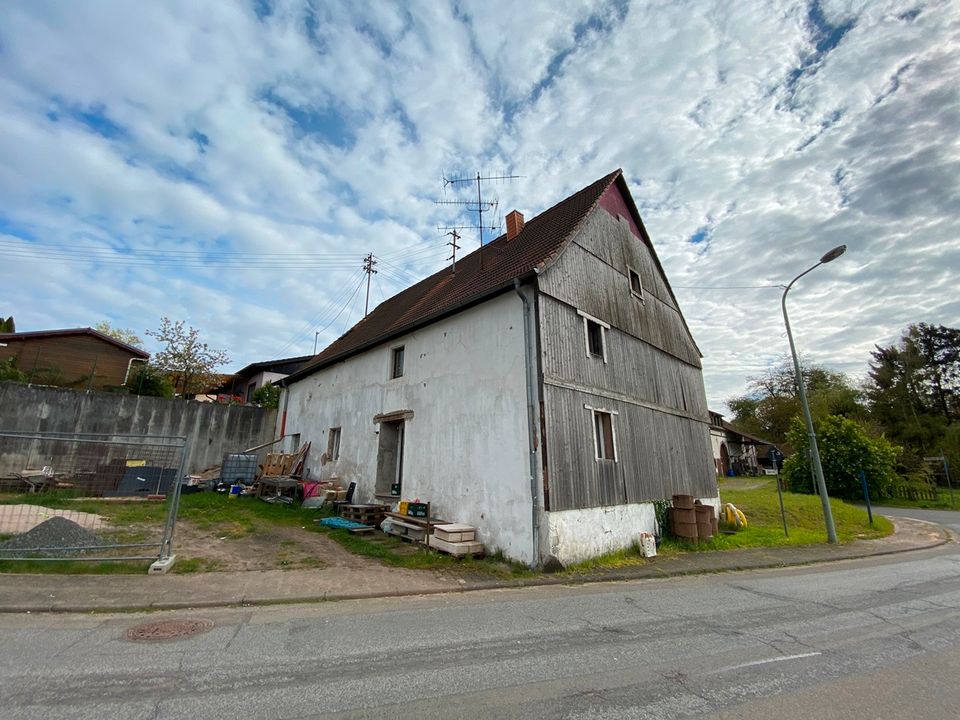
636 287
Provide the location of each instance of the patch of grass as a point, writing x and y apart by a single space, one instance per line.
184 566
75 567
804 519
941 503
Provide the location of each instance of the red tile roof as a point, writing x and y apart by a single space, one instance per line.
444 293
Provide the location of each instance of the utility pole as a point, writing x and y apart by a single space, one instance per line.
454 235
316 336
368 264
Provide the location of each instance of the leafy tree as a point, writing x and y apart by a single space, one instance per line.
122 334
7 325
267 396
913 387
150 381
190 363
771 403
845 449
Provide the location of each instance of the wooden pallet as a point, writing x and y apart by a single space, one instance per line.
366 514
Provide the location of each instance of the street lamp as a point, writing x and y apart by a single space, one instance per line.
814 451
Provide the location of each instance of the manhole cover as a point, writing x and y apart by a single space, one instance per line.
167 630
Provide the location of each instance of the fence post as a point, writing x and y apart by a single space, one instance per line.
166 547
866 495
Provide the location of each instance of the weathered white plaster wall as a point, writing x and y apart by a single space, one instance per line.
466 446
576 535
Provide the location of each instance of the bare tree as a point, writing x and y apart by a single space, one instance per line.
190 363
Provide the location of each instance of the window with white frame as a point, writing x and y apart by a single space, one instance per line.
636 287
595 336
603 435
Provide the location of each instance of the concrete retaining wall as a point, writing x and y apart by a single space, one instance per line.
211 429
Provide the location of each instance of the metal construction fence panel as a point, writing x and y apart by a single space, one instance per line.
51 504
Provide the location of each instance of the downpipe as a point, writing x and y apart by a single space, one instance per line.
531 419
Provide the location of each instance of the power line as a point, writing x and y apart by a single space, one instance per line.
725 287
357 275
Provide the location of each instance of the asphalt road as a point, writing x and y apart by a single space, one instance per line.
857 639
949 519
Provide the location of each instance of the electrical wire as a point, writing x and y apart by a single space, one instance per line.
356 277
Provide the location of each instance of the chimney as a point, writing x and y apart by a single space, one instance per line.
514 224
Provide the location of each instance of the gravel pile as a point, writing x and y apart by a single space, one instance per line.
57 532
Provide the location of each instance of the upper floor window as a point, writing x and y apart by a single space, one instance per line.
595 336
636 287
396 362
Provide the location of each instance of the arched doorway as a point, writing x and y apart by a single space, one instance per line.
724 460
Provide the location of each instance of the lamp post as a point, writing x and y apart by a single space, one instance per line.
814 451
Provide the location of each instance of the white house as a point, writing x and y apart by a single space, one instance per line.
547 391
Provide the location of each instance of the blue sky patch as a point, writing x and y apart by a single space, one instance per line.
324 122
94 118
9 227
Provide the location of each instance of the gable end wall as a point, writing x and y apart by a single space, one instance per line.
651 379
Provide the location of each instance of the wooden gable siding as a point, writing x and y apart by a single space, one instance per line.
651 378
71 359
634 369
591 275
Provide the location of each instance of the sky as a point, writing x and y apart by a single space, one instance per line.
230 164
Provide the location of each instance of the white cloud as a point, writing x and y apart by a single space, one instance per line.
325 132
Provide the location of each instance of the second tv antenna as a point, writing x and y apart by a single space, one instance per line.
478 206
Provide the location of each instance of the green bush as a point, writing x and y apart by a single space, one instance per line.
845 450
150 381
267 396
9 371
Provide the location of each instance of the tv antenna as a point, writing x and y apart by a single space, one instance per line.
478 206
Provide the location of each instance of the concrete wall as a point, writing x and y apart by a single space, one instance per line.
211 429
466 445
576 535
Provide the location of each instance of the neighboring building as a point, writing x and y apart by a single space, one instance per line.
736 452
82 357
245 382
546 392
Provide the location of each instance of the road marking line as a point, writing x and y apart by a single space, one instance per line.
781 658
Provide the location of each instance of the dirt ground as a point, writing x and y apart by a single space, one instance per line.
277 548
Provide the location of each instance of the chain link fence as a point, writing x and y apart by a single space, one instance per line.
57 488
